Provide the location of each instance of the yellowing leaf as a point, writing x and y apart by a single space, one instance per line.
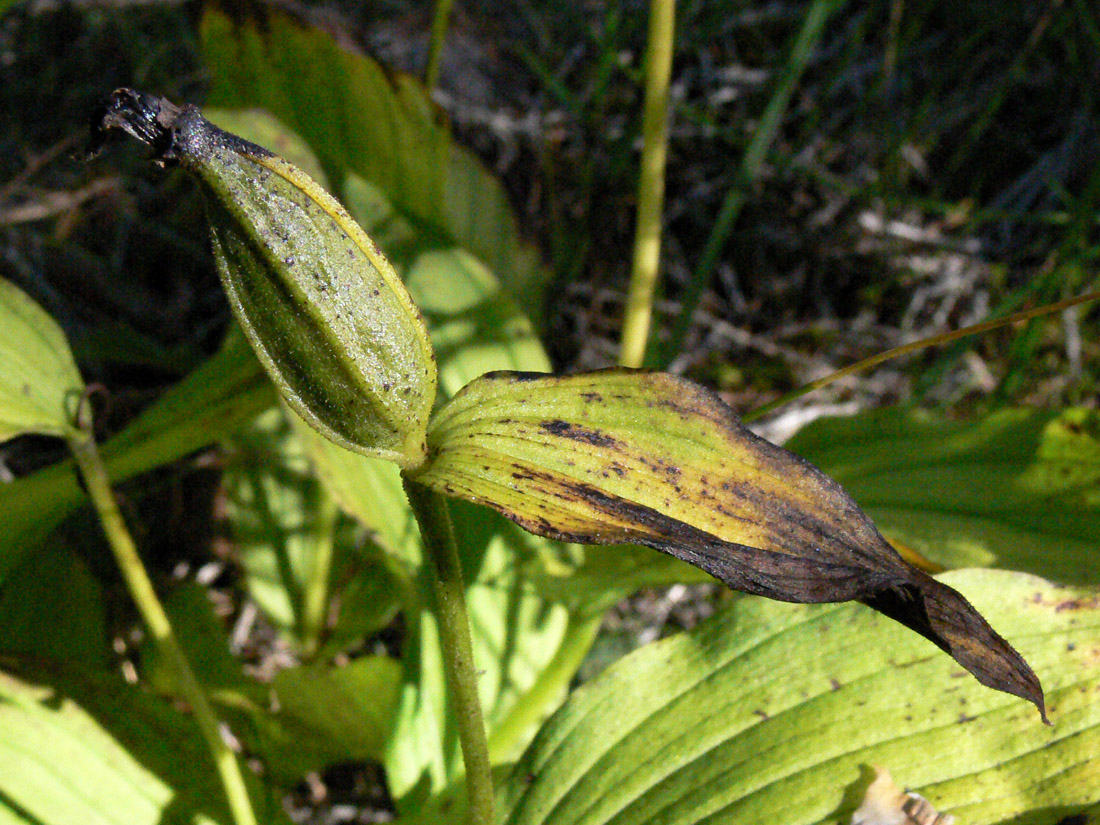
648 458
771 713
39 382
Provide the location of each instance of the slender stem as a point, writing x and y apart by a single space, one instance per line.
94 473
751 163
315 599
439 34
437 532
651 184
905 349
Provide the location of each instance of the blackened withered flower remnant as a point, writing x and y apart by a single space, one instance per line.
632 457
325 312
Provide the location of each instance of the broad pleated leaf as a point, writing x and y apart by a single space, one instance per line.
622 456
89 748
1017 489
39 382
774 713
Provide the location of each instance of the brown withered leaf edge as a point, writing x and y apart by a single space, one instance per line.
832 552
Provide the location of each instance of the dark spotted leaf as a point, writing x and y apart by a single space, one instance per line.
648 458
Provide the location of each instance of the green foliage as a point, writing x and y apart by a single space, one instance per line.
768 712
1015 489
87 747
40 384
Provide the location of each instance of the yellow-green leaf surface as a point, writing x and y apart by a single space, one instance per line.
215 400
1017 489
39 382
379 125
625 456
774 713
91 749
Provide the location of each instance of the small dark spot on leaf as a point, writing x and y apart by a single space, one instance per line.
963 718
760 713
834 684
576 432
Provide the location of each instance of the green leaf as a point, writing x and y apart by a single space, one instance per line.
350 707
379 125
273 505
309 716
1017 489
92 749
39 382
215 400
647 458
772 713
53 611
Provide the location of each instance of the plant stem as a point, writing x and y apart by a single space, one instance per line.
651 184
437 533
439 35
94 474
751 162
315 599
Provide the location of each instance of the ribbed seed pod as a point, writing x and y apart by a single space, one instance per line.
326 313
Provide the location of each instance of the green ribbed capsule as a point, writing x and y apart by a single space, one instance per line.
326 313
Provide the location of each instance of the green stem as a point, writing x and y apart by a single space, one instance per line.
439 34
651 184
751 163
315 599
94 474
437 533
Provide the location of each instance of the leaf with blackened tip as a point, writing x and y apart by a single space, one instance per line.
621 456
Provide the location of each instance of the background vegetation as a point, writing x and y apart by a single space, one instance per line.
934 165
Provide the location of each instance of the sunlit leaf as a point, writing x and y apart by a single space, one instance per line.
1017 489
773 713
215 400
647 458
39 382
92 749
